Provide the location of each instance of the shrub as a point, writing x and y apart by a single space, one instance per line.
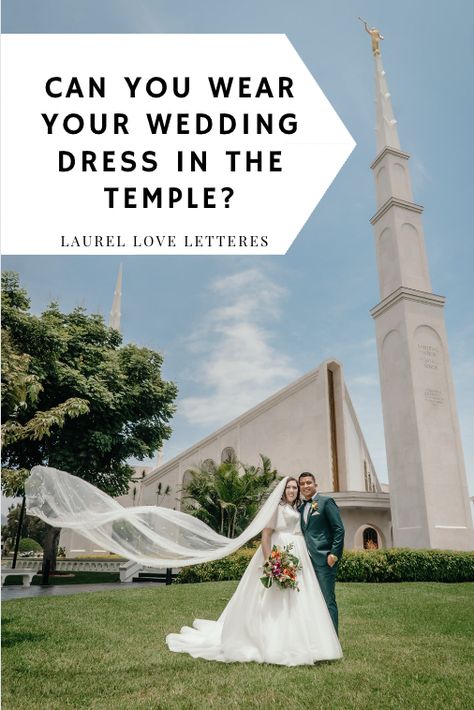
388 565
406 565
231 567
27 544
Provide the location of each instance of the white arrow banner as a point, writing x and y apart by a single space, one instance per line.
169 144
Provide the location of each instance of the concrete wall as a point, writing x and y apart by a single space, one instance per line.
355 520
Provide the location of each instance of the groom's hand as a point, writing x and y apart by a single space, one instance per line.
332 559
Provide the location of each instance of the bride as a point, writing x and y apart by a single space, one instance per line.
285 627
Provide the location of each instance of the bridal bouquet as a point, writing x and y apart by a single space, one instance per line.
281 568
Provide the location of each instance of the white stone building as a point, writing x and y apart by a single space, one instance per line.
310 425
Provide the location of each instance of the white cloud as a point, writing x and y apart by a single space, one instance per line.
368 380
365 394
236 364
420 174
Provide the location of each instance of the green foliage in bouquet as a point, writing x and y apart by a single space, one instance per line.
281 568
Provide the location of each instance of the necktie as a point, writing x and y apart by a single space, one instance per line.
307 509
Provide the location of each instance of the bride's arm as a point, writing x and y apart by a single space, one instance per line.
267 542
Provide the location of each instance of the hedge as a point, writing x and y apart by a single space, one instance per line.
406 565
231 567
387 565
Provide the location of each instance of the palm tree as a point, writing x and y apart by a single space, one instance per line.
227 496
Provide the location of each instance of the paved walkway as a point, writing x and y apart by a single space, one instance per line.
18 592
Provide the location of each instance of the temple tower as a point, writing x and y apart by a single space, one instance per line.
116 313
428 488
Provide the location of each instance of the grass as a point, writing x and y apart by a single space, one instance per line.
70 578
406 646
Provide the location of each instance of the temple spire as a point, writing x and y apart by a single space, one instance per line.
386 126
424 451
115 313
400 245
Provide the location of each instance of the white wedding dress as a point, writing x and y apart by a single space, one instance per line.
278 626
258 624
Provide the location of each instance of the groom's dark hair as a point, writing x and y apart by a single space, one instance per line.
306 474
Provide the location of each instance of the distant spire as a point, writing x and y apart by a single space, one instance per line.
115 313
159 456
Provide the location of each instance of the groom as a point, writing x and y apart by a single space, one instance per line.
323 532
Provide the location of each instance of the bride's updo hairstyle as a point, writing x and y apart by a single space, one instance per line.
296 501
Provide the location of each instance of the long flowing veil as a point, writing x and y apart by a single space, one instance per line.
150 535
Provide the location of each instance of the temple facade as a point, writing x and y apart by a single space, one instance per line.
310 425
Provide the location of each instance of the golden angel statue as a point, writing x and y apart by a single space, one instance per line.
375 35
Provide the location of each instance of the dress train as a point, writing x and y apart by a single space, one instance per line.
283 627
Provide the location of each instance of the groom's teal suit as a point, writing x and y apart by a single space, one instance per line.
324 535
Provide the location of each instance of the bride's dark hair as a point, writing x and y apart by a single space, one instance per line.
297 499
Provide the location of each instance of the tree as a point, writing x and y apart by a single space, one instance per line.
227 496
21 388
27 544
90 403
32 527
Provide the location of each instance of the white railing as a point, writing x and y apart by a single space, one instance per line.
30 563
126 568
69 565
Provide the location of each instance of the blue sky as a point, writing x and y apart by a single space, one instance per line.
233 330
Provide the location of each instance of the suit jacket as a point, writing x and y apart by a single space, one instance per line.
323 531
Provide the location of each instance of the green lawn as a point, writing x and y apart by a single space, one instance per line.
406 646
